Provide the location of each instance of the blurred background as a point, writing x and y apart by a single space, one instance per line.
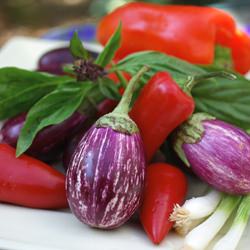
38 17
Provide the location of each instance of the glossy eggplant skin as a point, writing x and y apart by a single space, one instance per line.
70 149
221 157
105 179
49 142
106 106
54 60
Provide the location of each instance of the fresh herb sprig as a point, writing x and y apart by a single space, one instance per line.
52 99
61 102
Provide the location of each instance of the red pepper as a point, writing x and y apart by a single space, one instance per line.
187 32
161 106
165 186
29 182
240 45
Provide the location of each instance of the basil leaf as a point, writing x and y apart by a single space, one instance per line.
105 57
76 47
157 61
109 89
68 68
20 89
51 109
228 100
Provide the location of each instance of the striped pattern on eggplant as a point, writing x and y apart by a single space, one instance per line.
106 176
221 157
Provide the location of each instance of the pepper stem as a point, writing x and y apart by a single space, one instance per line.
123 106
193 80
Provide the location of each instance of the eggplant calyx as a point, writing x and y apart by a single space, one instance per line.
190 132
118 122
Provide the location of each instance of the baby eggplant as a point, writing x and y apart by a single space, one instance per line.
49 142
54 60
104 107
105 178
217 152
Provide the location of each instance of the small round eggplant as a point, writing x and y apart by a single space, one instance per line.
49 142
53 60
105 178
218 152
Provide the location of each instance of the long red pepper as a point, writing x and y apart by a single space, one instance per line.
165 186
161 106
29 182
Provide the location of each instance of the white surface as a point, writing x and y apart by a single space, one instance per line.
33 229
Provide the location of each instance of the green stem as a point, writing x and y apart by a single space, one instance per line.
193 80
243 211
228 203
120 76
123 106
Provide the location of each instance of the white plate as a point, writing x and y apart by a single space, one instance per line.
34 229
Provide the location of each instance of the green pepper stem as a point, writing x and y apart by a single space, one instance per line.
193 80
123 106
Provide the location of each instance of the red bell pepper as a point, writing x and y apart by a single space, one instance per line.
29 182
165 186
187 32
161 107
240 45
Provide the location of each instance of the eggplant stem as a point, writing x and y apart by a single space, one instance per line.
123 106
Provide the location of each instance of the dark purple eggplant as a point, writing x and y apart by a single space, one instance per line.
49 142
53 60
105 178
70 149
217 152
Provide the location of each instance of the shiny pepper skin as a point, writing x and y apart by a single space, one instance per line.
165 186
29 182
161 107
187 32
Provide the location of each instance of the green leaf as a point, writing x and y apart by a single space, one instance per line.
228 100
108 88
76 47
157 61
68 68
51 109
20 89
223 58
111 47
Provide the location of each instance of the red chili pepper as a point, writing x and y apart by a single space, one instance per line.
165 186
29 182
187 32
161 106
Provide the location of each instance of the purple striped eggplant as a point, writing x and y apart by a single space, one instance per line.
105 178
217 152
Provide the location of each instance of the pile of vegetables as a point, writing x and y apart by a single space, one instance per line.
107 115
